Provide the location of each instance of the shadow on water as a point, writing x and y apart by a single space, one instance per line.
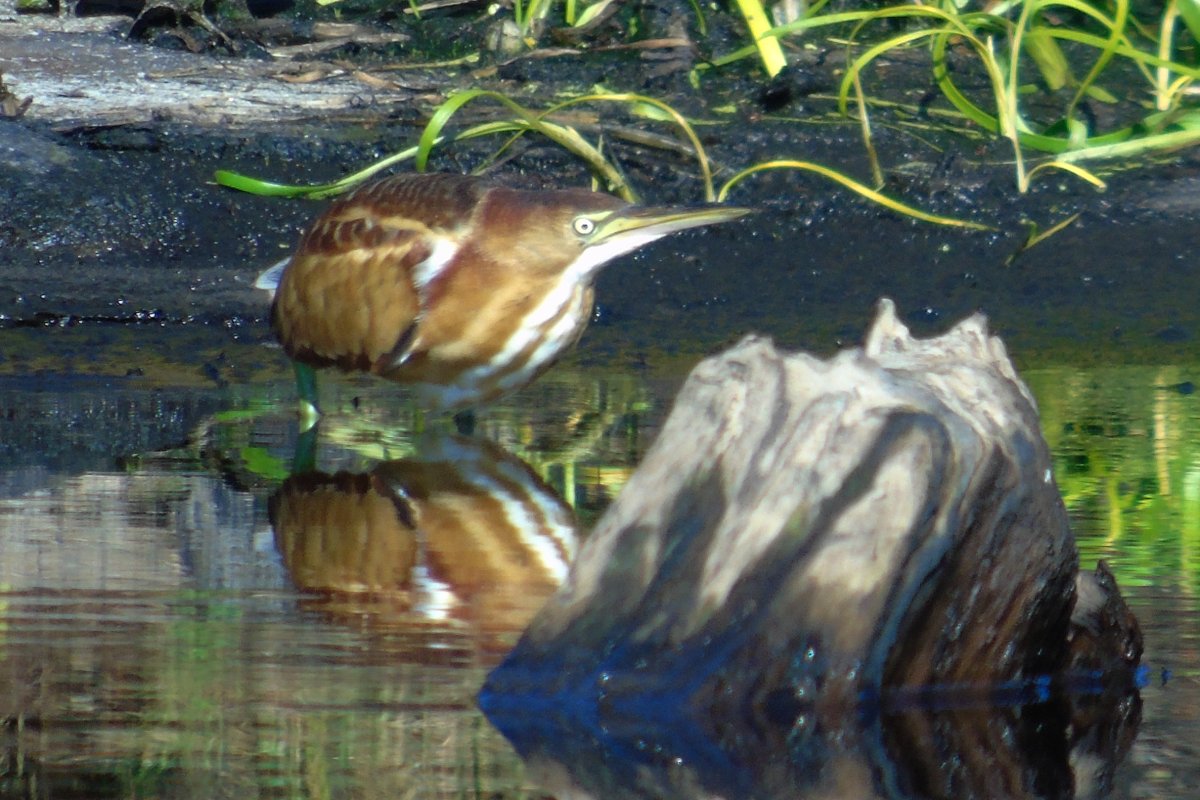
948 744
184 615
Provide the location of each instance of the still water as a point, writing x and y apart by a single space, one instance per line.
179 618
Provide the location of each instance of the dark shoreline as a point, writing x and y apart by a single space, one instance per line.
116 222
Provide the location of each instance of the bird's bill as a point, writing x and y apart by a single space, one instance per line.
649 222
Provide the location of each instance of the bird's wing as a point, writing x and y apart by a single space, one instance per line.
349 296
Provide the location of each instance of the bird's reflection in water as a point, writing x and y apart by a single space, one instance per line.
461 533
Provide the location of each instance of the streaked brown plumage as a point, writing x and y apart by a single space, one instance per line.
461 530
459 287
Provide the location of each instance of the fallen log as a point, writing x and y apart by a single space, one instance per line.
814 543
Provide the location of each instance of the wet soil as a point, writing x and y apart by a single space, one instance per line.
120 255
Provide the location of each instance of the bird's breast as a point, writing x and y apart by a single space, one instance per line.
497 356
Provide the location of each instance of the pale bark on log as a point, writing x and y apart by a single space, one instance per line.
884 517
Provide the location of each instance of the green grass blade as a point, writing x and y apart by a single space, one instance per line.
1049 58
441 115
244 183
853 185
769 49
685 127
1117 26
568 138
1037 236
810 21
1190 11
1143 145
1066 166
1043 143
701 22
864 60
320 191
1008 111
941 76
1127 51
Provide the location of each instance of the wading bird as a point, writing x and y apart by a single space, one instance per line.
458 287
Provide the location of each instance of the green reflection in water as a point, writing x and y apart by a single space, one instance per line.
190 708
1126 443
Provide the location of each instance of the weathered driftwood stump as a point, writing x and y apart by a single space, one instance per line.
807 537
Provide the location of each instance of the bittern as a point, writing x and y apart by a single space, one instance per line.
460 528
460 288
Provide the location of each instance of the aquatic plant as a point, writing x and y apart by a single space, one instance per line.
996 43
545 122
851 184
767 44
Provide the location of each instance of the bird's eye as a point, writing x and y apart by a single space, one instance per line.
583 226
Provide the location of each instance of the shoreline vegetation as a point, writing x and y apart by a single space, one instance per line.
1056 89
1069 88
1114 283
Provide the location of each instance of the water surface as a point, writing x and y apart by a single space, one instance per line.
159 636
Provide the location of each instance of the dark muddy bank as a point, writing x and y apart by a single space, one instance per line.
108 216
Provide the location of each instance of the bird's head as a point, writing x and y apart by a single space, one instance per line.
583 230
